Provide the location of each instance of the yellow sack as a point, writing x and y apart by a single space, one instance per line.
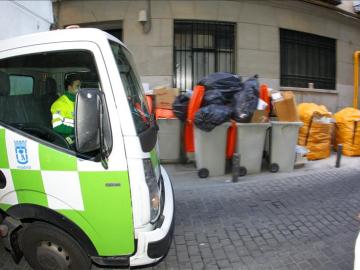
348 131
316 132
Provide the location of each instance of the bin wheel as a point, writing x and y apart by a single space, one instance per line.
242 171
203 173
274 167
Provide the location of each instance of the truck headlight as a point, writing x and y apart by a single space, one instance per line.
154 190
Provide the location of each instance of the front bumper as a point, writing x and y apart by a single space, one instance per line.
153 245
357 253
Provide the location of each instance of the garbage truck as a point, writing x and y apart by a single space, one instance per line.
102 198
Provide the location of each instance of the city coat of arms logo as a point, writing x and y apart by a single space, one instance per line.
21 152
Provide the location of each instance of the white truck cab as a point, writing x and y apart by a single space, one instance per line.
105 199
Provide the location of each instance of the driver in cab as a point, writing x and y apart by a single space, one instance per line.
62 110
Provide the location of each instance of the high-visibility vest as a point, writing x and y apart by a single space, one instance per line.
62 112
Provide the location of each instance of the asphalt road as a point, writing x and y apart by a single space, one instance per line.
304 220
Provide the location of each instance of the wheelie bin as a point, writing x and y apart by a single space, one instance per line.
250 146
283 138
210 151
169 139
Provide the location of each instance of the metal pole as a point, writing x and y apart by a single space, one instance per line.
338 155
356 79
235 167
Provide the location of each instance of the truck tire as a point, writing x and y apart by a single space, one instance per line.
46 247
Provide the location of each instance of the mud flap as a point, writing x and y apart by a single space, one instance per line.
11 242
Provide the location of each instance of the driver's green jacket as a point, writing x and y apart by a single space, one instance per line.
62 111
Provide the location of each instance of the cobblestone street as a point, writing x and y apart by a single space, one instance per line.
306 220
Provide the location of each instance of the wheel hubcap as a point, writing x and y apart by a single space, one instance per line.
52 257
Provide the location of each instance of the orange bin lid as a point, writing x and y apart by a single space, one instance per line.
194 105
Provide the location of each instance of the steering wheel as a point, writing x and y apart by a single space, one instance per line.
57 139
44 133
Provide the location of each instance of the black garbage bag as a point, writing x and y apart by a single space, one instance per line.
207 118
180 106
220 80
213 97
245 101
227 83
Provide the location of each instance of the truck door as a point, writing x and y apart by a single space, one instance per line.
43 170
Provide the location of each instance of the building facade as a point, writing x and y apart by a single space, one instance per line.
24 17
304 46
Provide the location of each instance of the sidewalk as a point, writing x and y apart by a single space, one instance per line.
186 175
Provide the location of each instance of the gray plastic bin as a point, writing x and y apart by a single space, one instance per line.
210 151
250 146
283 140
169 139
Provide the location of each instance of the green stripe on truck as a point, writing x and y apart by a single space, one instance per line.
54 160
29 187
107 218
4 163
154 157
4 206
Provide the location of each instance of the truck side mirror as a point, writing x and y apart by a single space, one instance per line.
88 108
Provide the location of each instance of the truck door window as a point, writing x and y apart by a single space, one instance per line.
28 106
21 85
132 87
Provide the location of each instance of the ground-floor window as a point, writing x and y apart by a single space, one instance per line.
201 48
307 58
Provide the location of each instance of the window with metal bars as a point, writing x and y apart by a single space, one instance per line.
307 58
201 48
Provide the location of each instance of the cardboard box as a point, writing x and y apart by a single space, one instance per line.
164 97
286 109
260 116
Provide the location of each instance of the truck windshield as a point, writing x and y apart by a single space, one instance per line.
132 86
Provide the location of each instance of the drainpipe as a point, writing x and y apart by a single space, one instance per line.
356 78
147 26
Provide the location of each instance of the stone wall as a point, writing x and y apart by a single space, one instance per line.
257 45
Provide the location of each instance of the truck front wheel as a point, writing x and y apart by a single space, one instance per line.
46 247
